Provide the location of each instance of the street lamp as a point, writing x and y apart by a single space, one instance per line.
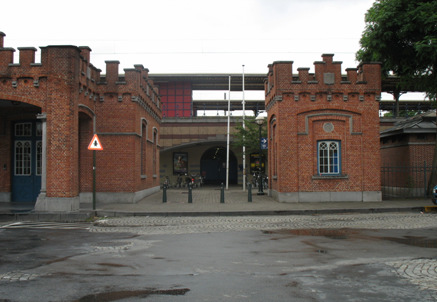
260 121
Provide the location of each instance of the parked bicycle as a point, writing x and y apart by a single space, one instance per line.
166 182
257 177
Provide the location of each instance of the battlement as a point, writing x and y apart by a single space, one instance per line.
57 59
326 79
136 78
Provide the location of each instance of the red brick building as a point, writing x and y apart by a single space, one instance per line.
49 112
407 150
410 141
324 132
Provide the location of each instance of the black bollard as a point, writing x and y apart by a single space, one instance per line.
260 185
190 194
164 193
249 193
222 194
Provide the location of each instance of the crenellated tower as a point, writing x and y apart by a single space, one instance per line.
323 129
73 100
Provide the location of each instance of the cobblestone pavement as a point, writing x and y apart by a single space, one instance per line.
421 272
183 225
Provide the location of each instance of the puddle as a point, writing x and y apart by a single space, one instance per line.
414 241
118 295
341 234
332 234
112 264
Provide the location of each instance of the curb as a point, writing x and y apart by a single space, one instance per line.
47 217
260 213
85 216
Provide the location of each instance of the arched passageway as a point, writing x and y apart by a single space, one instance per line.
213 166
21 151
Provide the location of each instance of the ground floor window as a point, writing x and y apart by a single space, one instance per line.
38 157
23 157
329 158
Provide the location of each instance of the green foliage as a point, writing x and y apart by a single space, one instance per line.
250 135
402 35
403 113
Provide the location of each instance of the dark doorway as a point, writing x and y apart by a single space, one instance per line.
213 166
26 161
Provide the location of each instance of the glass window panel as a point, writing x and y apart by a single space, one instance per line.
22 157
38 157
329 157
23 129
38 129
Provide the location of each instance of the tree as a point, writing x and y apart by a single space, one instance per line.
402 35
404 113
249 136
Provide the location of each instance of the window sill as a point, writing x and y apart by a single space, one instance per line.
275 177
143 176
337 176
155 176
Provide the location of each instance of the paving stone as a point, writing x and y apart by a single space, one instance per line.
181 225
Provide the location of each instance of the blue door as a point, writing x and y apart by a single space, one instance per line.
26 161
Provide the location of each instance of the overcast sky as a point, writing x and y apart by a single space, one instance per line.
192 36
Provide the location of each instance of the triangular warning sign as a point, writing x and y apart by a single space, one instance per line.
95 144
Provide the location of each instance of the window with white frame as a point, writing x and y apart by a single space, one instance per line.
155 147
38 157
23 129
143 146
329 158
23 157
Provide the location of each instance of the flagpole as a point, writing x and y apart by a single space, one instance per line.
227 144
244 146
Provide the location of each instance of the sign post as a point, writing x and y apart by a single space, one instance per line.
263 143
94 145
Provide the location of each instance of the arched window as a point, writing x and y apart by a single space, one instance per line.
329 158
273 145
155 147
143 147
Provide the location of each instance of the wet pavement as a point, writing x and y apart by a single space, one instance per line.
335 257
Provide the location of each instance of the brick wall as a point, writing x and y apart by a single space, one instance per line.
72 93
306 108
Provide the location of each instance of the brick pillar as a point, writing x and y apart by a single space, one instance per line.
62 178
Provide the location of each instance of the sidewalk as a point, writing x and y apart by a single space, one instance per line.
206 202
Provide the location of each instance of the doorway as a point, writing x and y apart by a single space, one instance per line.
213 166
26 161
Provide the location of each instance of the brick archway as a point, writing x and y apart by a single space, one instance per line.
18 134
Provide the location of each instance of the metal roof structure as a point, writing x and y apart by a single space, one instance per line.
214 81
421 123
255 82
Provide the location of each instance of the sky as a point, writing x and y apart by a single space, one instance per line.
192 36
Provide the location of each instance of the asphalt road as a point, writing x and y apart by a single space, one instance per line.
287 258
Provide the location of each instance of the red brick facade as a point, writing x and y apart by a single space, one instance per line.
73 101
307 109
409 142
